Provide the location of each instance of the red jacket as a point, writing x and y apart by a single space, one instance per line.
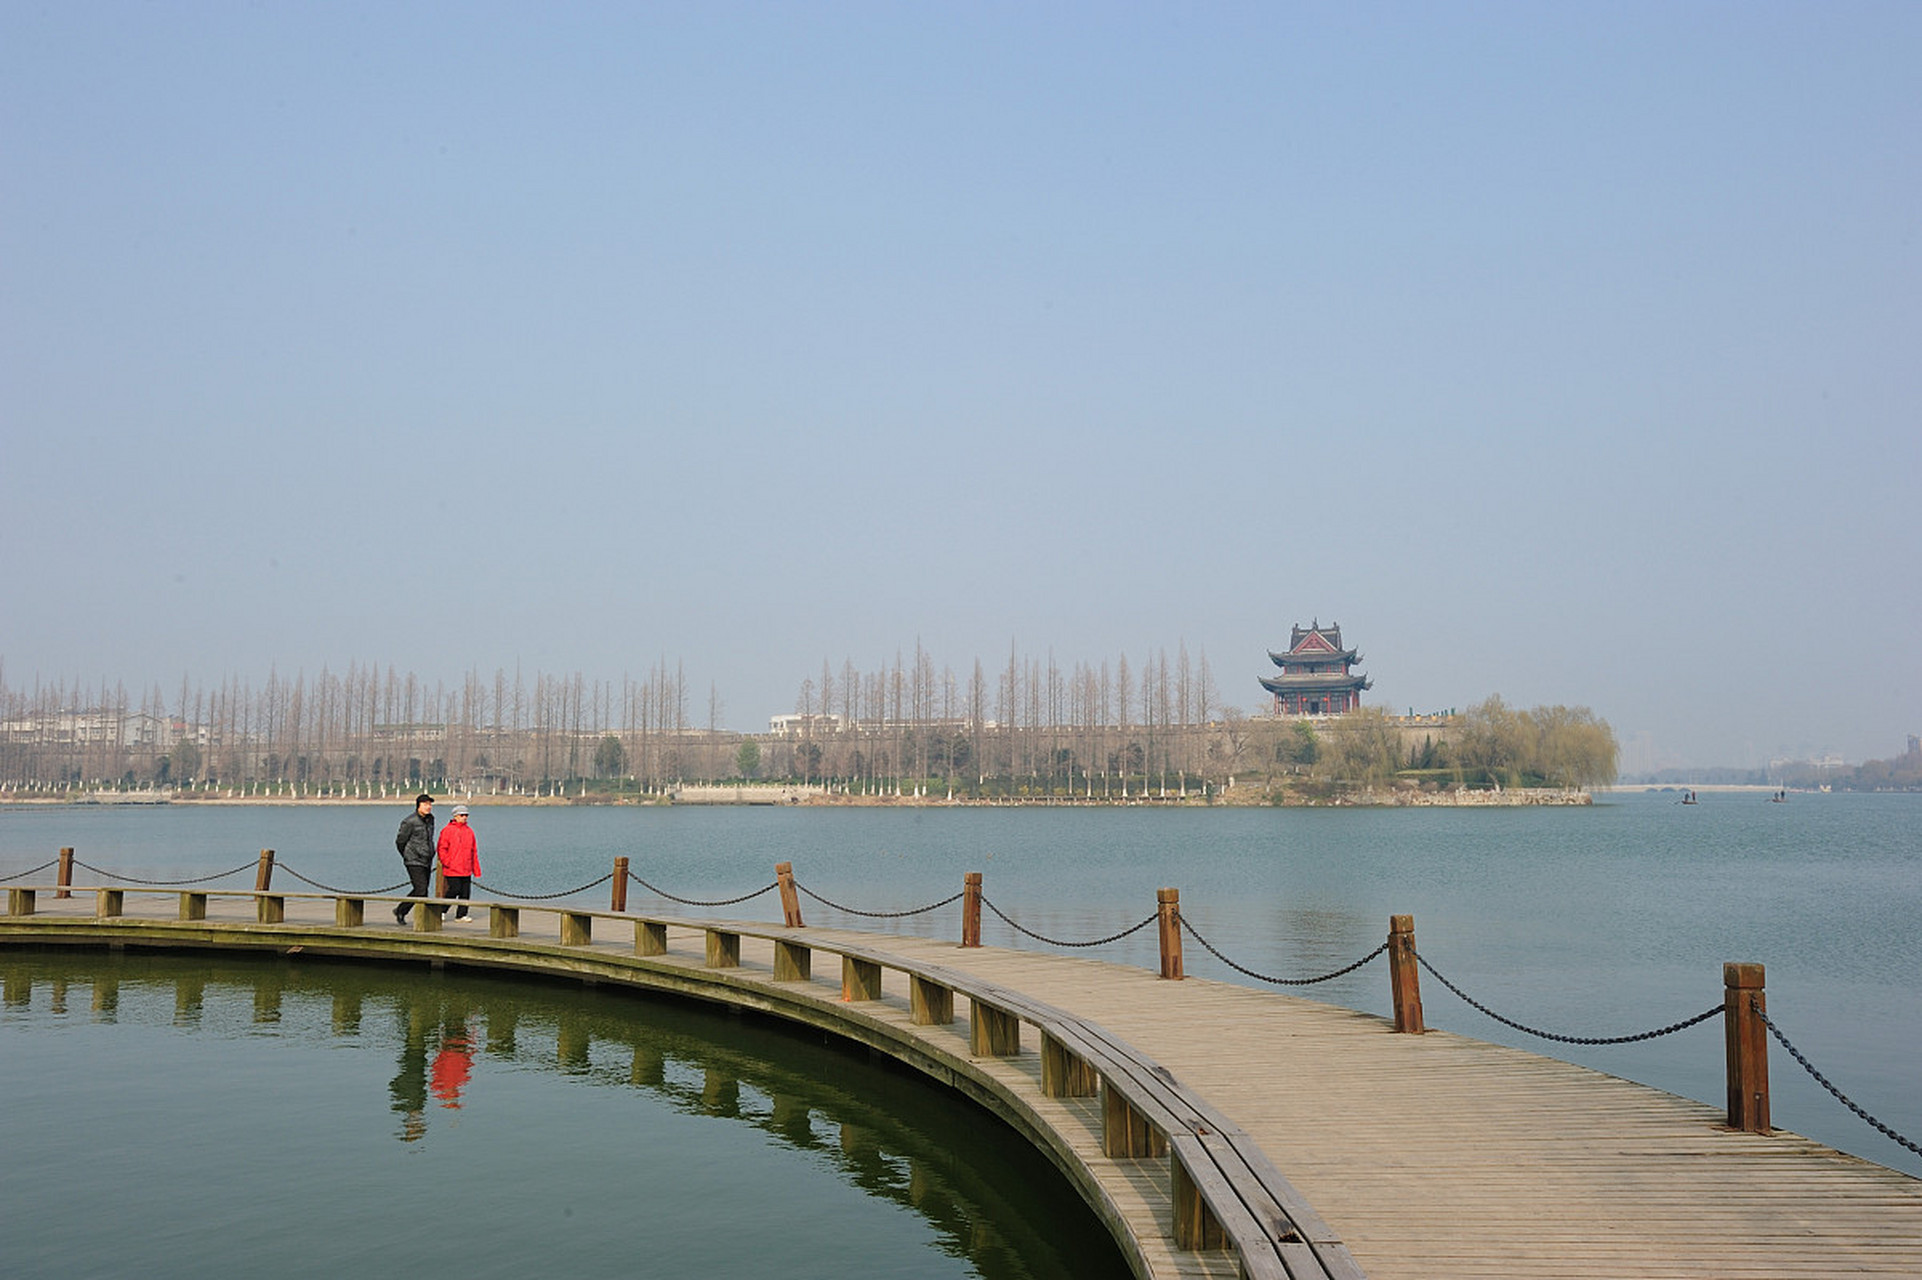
458 850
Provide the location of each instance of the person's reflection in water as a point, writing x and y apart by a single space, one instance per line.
454 1063
408 1088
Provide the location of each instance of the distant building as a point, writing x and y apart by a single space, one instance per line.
797 725
1315 679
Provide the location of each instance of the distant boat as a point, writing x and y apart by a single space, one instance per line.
1688 797
1780 797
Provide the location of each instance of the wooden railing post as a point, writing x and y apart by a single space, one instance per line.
618 900
1748 1047
66 873
264 877
1404 974
971 909
790 896
1168 912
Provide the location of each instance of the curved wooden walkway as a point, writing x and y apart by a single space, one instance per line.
1393 1156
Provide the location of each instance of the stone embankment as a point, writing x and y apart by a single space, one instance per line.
1463 797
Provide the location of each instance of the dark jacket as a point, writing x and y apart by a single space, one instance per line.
415 840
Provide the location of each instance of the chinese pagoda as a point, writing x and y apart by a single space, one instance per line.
1314 679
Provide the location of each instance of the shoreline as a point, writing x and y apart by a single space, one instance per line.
797 797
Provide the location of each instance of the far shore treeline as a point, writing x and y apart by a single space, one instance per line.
1027 730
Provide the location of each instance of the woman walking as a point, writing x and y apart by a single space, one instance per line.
459 854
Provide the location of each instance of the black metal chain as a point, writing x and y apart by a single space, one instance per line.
1823 1080
1673 1027
328 888
111 875
1281 982
543 897
878 915
18 875
697 902
1056 942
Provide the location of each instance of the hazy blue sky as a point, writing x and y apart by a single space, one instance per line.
1562 351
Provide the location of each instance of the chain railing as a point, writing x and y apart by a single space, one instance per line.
878 915
698 902
543 897
328 888
1473 1003
1755 1006
30 871
1057 942
1280 982
116 875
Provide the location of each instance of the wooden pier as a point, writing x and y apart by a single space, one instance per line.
1218 1130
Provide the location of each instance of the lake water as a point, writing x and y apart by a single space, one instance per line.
180 1116
1595 921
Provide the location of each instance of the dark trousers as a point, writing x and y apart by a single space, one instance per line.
421 878
459 887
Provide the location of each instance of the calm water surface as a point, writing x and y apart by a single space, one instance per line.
1596 921
195 1117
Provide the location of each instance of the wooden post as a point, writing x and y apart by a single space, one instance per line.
66 873
619 902
1196 1226
992 1032
971 909
790 896
1404 975
930 1004
860 979
723 949
1748 1047
264 877
1168 909
1065 1073
793 961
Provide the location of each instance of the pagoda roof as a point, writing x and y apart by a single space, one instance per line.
1314 655
1305 682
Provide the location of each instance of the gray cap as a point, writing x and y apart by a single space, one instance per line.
460 811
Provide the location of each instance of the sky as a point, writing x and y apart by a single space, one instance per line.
1561 352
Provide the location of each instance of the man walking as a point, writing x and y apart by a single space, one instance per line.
415 841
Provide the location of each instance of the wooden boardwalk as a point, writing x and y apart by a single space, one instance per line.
1428 1156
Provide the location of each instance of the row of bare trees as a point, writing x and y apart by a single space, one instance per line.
365 727
1029 724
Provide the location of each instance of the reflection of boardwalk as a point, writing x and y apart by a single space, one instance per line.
1428 1156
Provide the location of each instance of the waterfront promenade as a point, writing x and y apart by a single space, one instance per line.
1388 1155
